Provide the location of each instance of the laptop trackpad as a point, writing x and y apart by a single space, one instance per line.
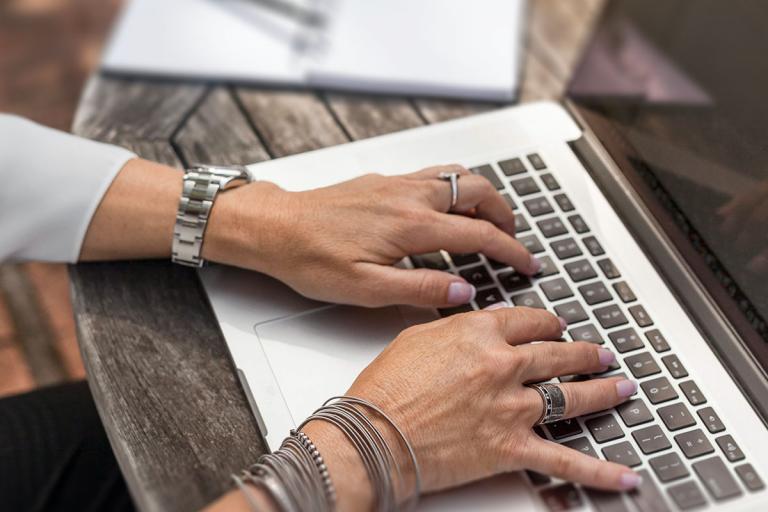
317 354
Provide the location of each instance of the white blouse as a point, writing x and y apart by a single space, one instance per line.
50 186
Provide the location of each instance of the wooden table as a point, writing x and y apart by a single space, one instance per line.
158 366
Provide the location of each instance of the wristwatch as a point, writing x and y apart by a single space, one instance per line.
202 183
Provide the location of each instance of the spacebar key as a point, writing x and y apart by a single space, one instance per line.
647 497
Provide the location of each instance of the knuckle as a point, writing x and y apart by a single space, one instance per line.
573 400
428 287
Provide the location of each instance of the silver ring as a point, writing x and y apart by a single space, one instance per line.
453 178
553 400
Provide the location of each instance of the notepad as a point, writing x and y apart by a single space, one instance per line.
448 48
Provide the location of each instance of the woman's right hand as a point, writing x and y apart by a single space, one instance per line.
456 387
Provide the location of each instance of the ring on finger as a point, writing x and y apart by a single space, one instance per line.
453 178
553 401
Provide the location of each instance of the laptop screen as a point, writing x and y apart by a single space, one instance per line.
678 93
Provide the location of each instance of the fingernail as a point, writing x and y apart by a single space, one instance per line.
606 356
630 480
563 323
625 388
460 292
498 305
535 265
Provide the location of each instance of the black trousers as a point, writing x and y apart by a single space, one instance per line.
54 454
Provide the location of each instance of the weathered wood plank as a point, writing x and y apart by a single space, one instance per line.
364 116
539 82
290 122
163 382
218 133
436 111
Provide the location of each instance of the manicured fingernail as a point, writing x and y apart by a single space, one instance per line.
498 305
563 323
630 480
606 356
535 265
460 292
625 388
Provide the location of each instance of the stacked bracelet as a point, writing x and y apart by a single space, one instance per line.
297 479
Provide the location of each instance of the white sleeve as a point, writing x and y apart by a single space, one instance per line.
50 186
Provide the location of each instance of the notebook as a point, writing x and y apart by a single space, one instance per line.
449 48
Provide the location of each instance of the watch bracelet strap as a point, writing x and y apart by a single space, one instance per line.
198 193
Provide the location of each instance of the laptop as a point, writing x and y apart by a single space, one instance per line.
644 194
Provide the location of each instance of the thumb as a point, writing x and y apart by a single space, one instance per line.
420 287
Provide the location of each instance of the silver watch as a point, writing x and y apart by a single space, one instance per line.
202 183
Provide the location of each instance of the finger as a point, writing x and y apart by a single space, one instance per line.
476 193
589 396
433 173
553 359
523 325
417 287
569 464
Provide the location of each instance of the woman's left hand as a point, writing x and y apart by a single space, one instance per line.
339 243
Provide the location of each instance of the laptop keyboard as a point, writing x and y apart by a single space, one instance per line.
667 429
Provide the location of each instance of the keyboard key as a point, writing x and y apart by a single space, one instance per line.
571 312
634 412
563 428
694 443
496 265
512 167
549 181
651 439
548 267
609 269
669 467
529 300
717 478
488 173
730 449
563 202
562 498
509 200
488 297
521 224
647 496
659 390
624 292
692 393
538 206
711 420
604 428
552 227
593 246
477 276
640 315
525 186
657 340
581 444
537 478
687 495
578 223
676 416
675 367
556 289
604 501
465 259
586 333
532 243
749 477
626 340
464 308
610 316
536 161
580 270
595 293
622 453
513 281
433 260
566 248
642 365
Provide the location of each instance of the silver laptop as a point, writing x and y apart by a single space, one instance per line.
620 191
